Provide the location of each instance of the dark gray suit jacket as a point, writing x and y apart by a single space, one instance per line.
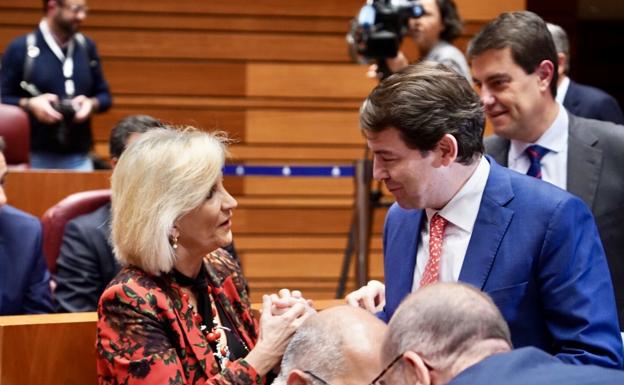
596 175
86 263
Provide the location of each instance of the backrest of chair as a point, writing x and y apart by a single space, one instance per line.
15 129
56 217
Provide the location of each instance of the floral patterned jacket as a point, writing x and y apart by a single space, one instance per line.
146 333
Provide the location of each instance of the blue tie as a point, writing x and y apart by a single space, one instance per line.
535 154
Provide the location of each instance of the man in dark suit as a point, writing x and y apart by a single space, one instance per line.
86 263
579 99
514 65
460 216
24 278
452 334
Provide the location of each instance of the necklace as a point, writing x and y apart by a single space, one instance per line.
211 318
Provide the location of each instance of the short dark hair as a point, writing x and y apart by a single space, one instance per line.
424 102
526 34
450 20
127 126
2 144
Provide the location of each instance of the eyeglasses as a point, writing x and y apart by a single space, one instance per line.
74 8
377 380
316 377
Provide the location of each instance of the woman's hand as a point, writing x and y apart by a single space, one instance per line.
285 299
275 333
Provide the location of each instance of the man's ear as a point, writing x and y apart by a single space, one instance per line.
545 71
416 368
113 162
447 149
297 377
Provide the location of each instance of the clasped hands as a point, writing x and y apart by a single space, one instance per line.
42 107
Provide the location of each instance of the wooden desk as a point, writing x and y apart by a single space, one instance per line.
51 349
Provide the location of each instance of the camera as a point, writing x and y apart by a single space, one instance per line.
376 33
66 108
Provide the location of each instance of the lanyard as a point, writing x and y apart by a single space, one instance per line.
66 60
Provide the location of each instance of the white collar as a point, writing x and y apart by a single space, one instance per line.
463 208
562 90
554 139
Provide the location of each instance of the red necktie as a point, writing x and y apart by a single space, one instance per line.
436 236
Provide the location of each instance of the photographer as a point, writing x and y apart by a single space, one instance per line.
54 74
433 33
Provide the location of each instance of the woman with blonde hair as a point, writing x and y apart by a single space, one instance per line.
178 312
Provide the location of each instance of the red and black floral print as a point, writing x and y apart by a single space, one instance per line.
146 332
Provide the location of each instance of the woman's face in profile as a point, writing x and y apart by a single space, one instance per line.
209 225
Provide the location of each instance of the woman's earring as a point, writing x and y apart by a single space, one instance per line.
173 241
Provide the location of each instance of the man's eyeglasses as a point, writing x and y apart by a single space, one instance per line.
378 379
74 8
316 377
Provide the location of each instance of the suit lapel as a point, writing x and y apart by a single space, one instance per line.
498 148
490 227
584 162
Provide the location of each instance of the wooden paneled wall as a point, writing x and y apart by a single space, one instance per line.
276 75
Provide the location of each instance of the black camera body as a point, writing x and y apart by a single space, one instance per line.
376 33
66 108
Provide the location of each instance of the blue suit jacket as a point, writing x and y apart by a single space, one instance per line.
536 251
592 103
24 278
533 366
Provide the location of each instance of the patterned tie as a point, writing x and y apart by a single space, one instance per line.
535 154
436 236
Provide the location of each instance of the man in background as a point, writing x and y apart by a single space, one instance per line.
515 69
579 99
86 263
54 74
339 346
24 277
450 333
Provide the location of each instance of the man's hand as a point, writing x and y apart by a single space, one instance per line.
41 107
84 107
371 297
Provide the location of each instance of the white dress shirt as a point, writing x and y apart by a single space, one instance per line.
461 214
562 90
554 163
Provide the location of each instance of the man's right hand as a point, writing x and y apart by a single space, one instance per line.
41 107
371 297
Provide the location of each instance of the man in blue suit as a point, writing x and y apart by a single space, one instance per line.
460 216
24 278
580 99
452 334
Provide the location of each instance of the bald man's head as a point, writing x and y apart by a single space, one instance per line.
340 345
444 325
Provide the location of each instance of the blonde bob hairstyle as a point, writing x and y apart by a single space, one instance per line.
163 175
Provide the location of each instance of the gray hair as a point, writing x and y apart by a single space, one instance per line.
443 321
165 174
316 346
562 44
